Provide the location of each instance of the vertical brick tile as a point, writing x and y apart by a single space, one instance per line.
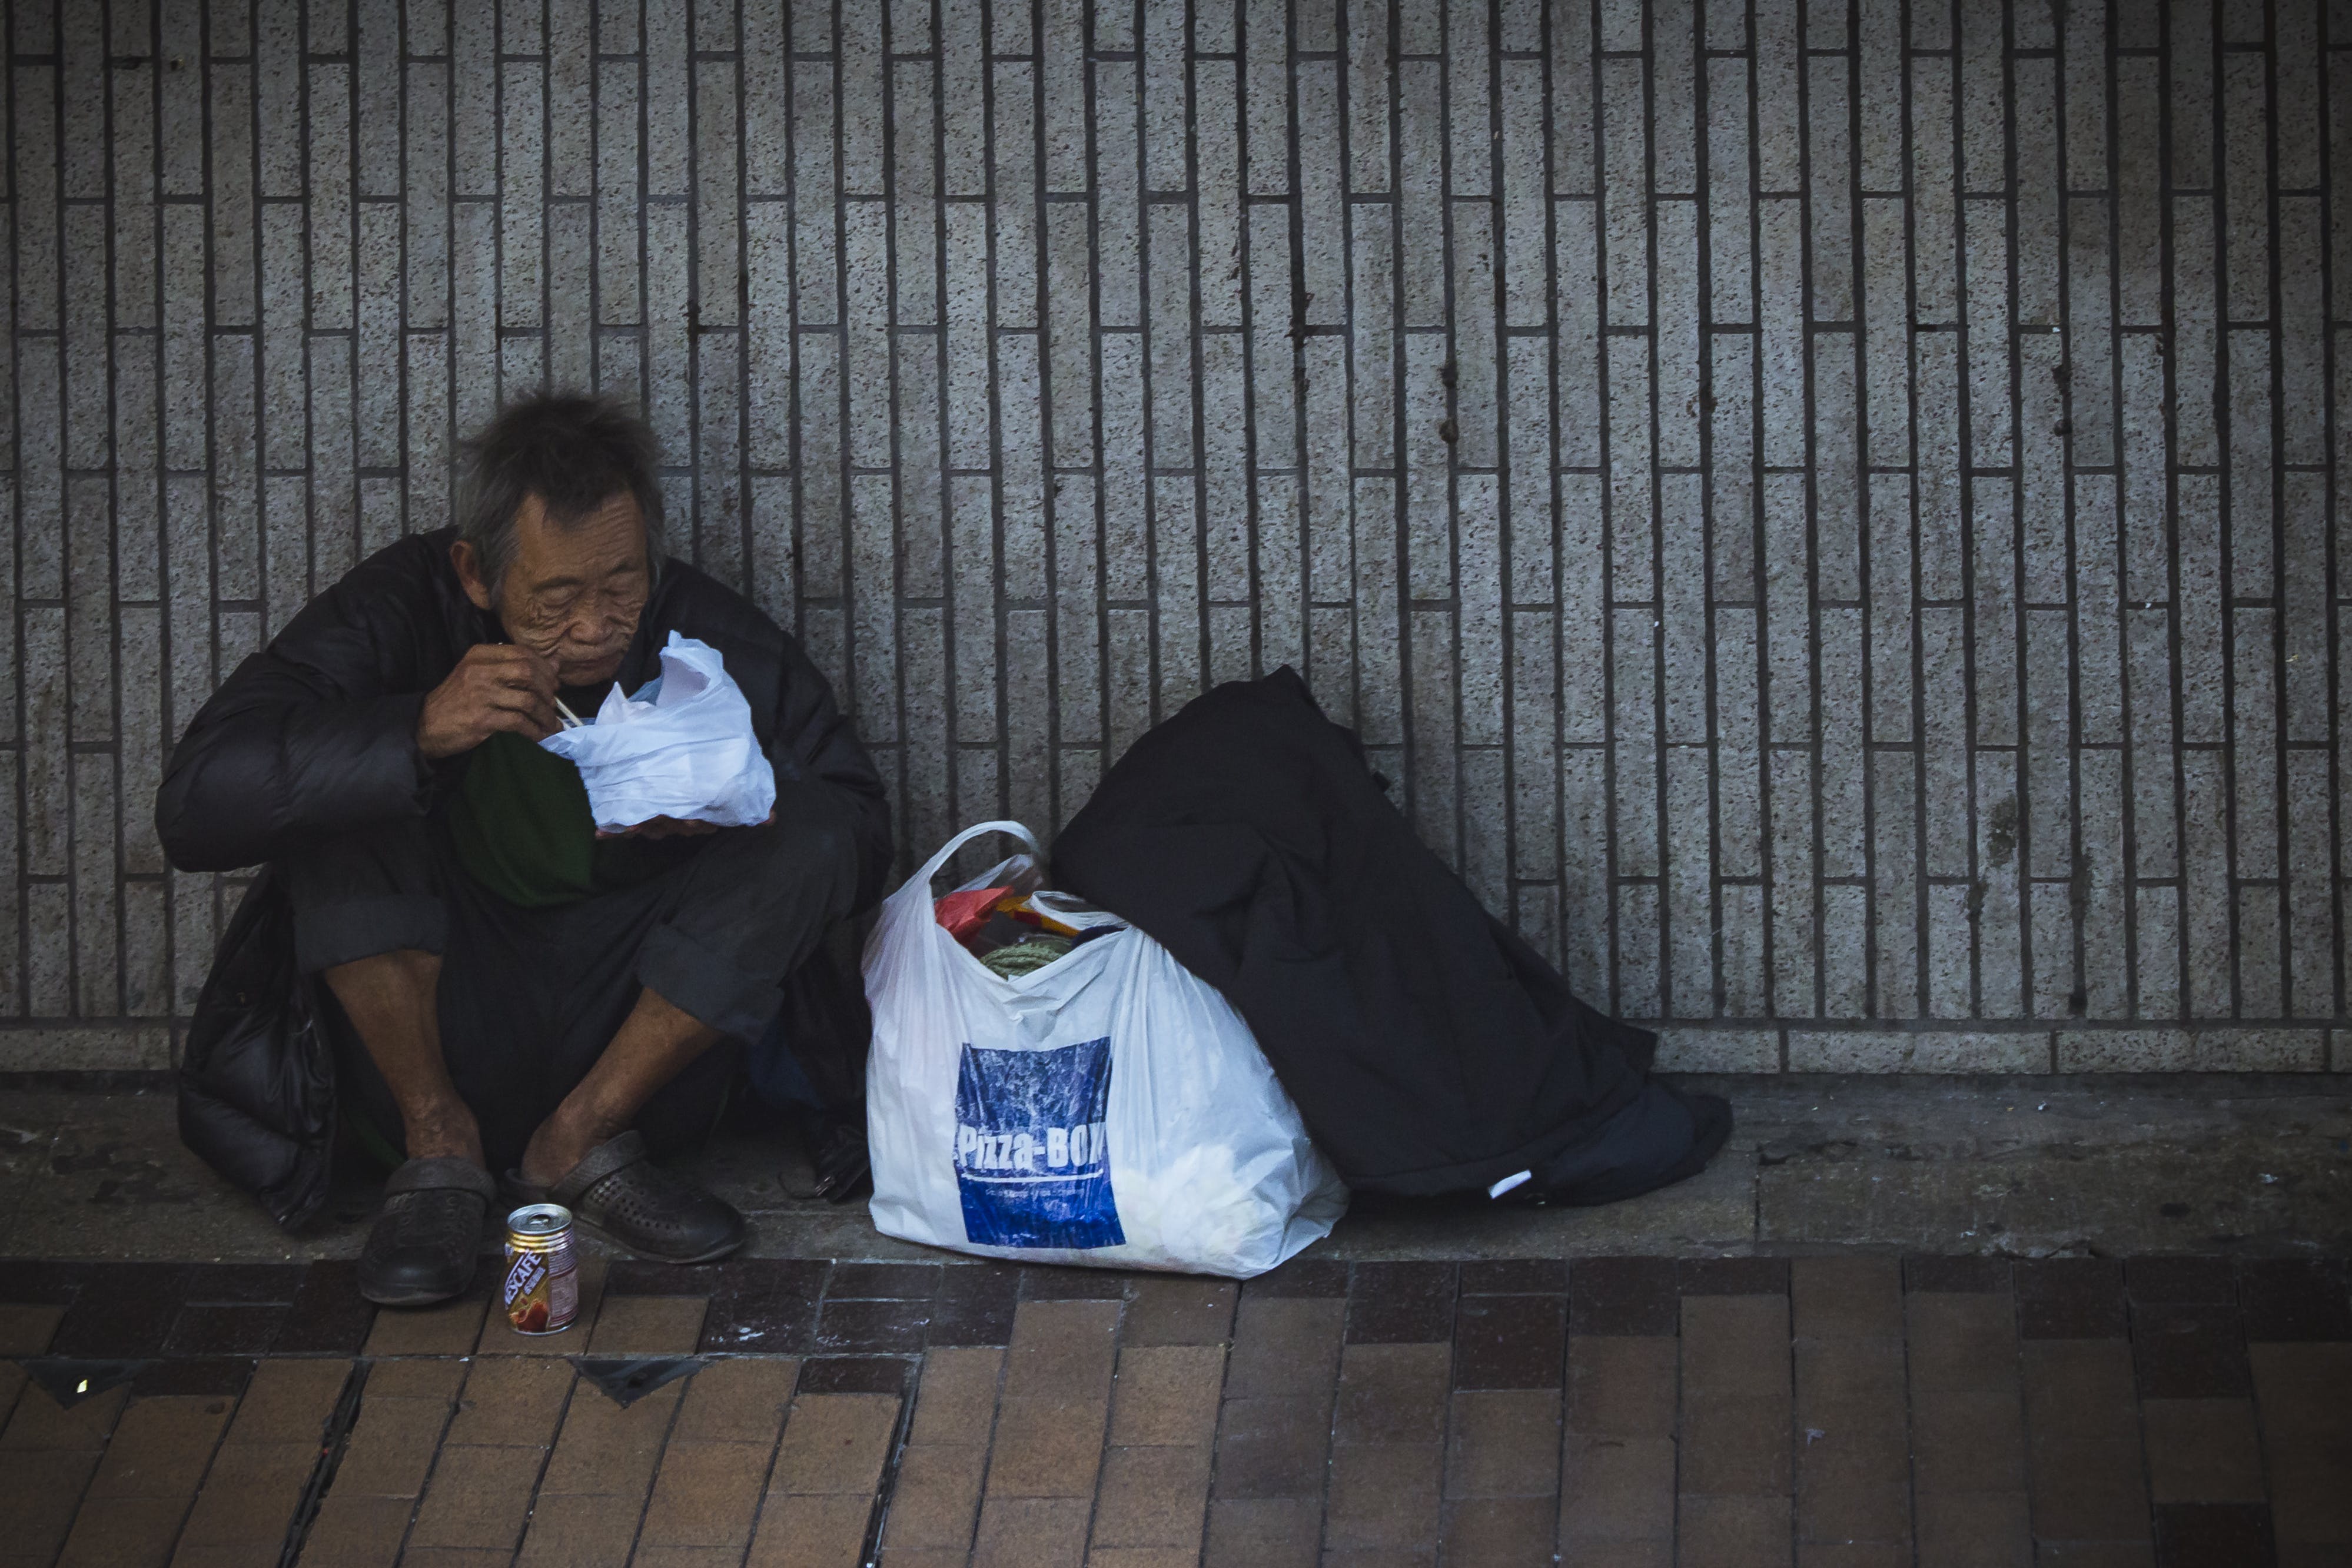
1401 1303
936 1496
1734 1475
585 1527
2201 1450
1177 1310
723 1445
2299 1401
823 1489
126 1312
1622 1296
1388 1454
142 1489
1055 1402
265 1459
2287 1299
1508 1342
1273 1429
1851 1406
833 1443
2070 1299
52 1453
2085 1463
512 1401
1617 1474
25 1331
1504 1444
405 1410
453 1327
1968 1440
2188 1350
479 1498
1277 1532
1151 1498
766 1305
2213 1533
328 1314
1384 1498
647 1325
607 1450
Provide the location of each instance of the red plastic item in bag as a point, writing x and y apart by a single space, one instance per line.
962 913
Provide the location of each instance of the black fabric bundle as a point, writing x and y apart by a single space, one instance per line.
1429 1050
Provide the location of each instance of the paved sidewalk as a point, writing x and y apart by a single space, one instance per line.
1846 1410
2026 1167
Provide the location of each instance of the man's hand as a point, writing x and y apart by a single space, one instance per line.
497 685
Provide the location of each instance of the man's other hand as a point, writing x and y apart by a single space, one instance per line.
497 685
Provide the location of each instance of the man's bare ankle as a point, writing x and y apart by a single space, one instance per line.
563 1141
444 1137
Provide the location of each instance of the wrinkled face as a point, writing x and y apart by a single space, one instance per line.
573 591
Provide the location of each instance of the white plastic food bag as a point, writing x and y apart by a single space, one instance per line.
682 747
1109 1109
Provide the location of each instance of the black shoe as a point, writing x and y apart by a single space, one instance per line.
421 1248
841 1159
619 1190
838 1161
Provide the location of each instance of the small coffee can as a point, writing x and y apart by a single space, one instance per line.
541 1288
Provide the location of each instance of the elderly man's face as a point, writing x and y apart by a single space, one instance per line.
573 591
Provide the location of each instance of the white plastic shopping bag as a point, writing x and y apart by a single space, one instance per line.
682 747
1111 1107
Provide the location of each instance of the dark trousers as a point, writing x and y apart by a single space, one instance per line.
530 997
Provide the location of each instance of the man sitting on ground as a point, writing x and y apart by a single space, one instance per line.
522 992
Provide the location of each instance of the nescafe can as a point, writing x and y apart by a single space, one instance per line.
541 1290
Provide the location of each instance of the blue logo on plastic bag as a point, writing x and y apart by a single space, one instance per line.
1030 1161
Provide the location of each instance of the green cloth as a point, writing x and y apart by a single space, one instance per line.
1027 957
522 830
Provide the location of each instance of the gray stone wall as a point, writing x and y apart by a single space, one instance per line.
1827 512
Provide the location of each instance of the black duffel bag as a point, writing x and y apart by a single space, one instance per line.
256 1081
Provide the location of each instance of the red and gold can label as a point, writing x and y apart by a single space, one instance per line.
540 1291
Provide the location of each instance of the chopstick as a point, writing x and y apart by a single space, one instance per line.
570 721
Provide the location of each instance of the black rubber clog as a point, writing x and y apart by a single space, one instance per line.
618 1189
422 1247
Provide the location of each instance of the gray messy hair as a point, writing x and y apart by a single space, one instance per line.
574 451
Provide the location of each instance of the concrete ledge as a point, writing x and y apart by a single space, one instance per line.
1718 1050
2183 1048
86 1047
2192 1050
1846 1050
1988 1048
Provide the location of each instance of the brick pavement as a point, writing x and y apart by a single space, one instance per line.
1852 1410
1829 510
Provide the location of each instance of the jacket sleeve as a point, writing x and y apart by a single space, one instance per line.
314 736
814 737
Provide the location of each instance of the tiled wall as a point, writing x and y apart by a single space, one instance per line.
1825 511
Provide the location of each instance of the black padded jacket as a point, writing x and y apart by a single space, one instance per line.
316 735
